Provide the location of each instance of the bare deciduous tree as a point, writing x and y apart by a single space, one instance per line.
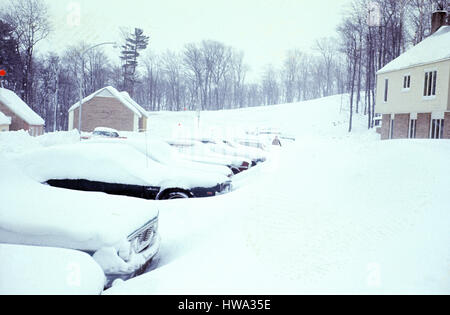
30 21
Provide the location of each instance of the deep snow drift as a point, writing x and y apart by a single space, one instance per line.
331 213
53 270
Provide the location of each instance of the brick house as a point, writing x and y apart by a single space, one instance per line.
109 108
5 122
413 90
21 116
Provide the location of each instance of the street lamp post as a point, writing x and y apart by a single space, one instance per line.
82 80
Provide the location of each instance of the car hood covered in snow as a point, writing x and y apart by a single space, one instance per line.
36 214
161 152
114 163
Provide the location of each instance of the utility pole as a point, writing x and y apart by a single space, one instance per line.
56 70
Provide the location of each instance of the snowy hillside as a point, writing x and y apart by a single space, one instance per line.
330 213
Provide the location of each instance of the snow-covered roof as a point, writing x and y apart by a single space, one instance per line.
138 107
433 49
16 105
110 92
4 120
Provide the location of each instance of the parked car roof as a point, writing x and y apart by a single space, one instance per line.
198 151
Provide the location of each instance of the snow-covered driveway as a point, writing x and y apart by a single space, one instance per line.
328 214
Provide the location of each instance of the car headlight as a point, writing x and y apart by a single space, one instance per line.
143 237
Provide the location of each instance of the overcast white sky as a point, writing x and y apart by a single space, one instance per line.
263 29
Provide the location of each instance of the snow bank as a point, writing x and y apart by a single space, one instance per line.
44 270
59 138
17 142
15 103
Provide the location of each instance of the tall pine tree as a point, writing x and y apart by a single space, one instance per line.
136 42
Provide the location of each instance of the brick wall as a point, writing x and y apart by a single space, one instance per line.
17 123
38 130
104 112
143 123
385 123
401 126
447 126
423 126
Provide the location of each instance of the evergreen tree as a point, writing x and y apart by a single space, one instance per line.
9 57
136 42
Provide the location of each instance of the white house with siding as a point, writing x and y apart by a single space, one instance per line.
413 90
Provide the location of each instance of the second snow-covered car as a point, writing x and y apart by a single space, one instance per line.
118 169
161 152
197 151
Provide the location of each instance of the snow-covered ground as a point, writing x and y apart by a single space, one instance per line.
330 213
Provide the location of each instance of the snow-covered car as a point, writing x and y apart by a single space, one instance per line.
118 169
105 132
221 146
41 270
161 152
256 155
251 142
121 234
197 151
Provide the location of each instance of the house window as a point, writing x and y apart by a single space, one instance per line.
391 129
412 128
407 82
386 87
437 129
429 88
